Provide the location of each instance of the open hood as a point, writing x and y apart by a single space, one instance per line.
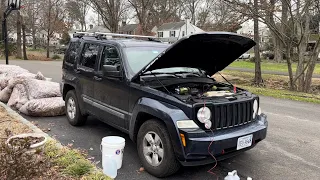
210 51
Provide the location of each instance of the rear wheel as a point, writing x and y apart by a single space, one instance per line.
73 113
155 150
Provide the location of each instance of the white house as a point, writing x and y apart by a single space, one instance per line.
173 31
247 30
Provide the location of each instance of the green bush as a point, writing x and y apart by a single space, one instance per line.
55 56
79 168
252 59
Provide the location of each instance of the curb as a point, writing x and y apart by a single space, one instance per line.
34 128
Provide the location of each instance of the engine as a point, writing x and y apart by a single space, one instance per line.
194 92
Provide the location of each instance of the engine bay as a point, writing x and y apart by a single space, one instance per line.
197 92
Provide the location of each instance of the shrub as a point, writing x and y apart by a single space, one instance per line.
55 56
79 168
252 59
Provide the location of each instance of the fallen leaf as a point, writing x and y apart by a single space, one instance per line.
141 169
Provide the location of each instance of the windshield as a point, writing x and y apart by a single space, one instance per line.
139 57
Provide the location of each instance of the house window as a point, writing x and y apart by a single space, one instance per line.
160 34
172 33
183 33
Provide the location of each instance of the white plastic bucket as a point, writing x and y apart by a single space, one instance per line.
112 148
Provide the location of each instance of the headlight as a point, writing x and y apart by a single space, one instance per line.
204 114
187 124
255 108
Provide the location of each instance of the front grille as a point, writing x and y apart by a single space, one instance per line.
228 115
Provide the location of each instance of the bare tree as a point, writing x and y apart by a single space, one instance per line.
78 10
31 20
18 19
164 11
216 15
111 12
191 8
52 16
293 33
143 10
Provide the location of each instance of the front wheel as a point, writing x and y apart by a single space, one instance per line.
155 150
73 113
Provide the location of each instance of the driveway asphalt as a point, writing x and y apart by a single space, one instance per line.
291 150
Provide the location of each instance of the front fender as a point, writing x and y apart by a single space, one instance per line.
165 112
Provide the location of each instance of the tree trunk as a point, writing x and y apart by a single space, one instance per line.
19 51
34 39
48 45
278 50
25 57
258 77
288 58
303 32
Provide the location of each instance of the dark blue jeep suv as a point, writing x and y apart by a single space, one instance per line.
164 96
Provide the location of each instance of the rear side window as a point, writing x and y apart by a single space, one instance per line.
73 51
89 55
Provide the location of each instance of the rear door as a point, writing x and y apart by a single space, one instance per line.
112 92
85 69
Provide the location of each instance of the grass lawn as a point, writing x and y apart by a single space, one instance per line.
274 86
269 66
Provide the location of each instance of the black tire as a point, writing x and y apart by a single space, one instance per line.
169 164
78 119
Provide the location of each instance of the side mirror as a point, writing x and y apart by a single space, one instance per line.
112 71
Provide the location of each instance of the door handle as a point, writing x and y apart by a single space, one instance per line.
97 78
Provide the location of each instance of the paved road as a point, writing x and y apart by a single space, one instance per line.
264 71
291 150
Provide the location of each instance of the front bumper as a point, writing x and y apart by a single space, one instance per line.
224 142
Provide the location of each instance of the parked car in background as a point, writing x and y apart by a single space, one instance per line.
245 56
164 97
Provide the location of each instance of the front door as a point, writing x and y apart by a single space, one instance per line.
112 91
85 70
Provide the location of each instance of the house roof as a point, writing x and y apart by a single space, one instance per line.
128 27
171 26
99 29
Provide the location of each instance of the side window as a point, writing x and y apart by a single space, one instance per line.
72 53
110 56
89 55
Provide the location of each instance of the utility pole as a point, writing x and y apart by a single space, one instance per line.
12 5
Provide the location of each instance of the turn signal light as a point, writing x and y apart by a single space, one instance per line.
183 139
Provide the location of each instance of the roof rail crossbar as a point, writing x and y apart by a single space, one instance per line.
150 38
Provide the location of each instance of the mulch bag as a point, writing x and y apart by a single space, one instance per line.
18 97
5 94
45 107
37 89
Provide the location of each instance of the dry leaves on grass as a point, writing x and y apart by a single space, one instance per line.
7 122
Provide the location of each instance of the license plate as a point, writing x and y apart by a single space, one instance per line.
244 142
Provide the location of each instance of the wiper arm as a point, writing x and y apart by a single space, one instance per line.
159 73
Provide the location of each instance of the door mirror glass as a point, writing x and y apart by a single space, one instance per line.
111 70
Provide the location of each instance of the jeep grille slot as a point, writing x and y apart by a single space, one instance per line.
231 115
